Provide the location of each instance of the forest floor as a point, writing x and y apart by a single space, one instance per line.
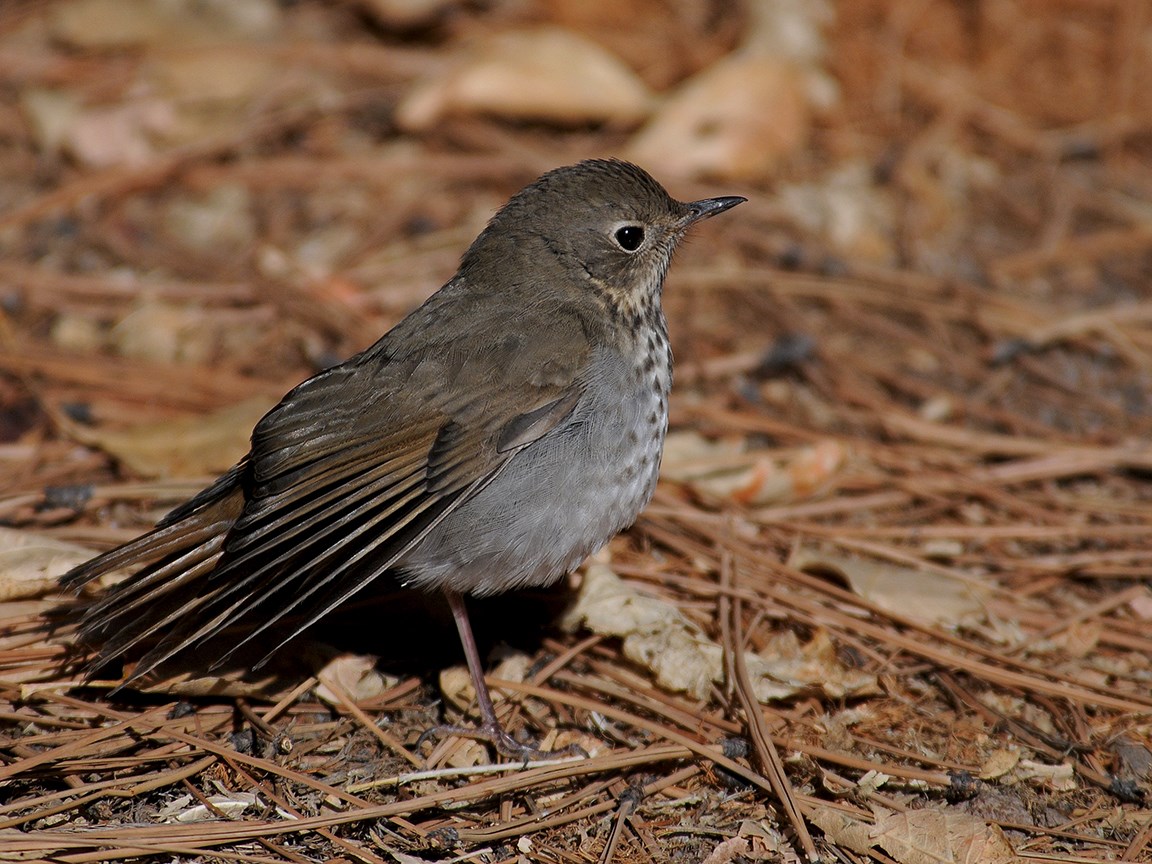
891 601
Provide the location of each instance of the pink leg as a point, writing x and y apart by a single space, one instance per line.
489 729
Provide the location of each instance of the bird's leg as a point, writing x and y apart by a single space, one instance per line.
472 655
489 729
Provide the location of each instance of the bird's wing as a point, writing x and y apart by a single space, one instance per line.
357 464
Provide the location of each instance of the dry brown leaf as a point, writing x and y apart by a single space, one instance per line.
545 74
405 858
841 828
103 24
732 849
355 675
159 332
468 753
77 333
98 136
1133 759
456 681
682 658
183 810
31 564
736 120
764 843
50 114
688 454
1057 778
235 75
999 763
794 667
189 447
930 836
743 116
121 134
456 686
720 471
933 836
108 23
212 91
932 598
270 682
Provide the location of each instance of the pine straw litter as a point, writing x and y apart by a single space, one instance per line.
891 602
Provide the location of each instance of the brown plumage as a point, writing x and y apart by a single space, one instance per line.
493 439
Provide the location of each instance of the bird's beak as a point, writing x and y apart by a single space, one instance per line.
709 207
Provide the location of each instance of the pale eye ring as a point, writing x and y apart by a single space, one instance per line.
629 237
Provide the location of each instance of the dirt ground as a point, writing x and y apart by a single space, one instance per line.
891 602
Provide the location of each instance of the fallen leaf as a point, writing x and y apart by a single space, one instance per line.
160 332
736 120
99 136
689 455
682 658
189 447
108 23
468 753
230 806
724 470
1057 778
841 828
456 686
51 114
1133 760
104 24
401 857
76 333
934 836
929 836
271 682
355 675
732 849
764 844
31 564
218 77
456 681
125 133
999 763
931 598
545 74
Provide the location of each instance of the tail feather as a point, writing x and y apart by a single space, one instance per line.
128 621
175 560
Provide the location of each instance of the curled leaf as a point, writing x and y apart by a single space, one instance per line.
546 74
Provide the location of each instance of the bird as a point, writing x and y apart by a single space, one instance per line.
497 436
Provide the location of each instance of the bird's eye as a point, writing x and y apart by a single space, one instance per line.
629 237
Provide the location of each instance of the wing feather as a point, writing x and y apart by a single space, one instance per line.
350 471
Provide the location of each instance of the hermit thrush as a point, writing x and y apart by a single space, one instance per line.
493 439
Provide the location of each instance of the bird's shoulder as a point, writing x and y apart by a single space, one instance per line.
461 382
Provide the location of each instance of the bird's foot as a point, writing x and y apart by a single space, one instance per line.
502 742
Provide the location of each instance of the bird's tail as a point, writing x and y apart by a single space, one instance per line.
175 560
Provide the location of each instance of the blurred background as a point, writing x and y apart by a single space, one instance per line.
202 201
